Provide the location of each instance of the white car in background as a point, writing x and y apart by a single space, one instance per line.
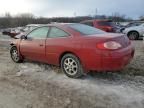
135 32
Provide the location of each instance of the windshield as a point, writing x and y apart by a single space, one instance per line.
134 24
86 30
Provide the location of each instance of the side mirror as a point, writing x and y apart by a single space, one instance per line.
23 37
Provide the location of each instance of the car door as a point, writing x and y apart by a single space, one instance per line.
56 43
34 46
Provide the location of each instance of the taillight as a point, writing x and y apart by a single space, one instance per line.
111 45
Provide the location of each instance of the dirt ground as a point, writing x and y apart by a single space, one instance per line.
38 85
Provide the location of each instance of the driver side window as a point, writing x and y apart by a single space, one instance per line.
39 33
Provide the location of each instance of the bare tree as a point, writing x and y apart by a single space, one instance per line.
117 17
28 18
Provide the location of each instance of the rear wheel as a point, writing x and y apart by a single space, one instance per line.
15 55
133 35
71 66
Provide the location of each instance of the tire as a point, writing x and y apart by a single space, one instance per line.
133 35
15 56
71 66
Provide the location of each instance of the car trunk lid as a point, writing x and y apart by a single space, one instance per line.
120 38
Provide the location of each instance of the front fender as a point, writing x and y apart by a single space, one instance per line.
16 43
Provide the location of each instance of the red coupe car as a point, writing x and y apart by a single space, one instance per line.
77 48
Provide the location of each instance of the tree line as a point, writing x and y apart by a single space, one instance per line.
9 21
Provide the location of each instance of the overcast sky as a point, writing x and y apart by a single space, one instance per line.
59 8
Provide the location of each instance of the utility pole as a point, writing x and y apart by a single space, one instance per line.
96 11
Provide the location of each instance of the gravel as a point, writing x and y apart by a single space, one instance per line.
38 85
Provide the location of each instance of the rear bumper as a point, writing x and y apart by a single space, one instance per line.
112 60
117 63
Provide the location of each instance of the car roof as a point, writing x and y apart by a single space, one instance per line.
63 26
57 24
52 24
34 25
97 20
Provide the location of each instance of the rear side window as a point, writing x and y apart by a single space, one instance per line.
86 30
106 23
39 33
56 32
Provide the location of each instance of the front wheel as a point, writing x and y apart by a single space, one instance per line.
133 35
15 55
71 66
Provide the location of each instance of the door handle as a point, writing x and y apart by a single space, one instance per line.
41 45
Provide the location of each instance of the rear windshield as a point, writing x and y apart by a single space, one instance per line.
106 23
85 30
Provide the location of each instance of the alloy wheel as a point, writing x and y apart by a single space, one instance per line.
15 55
133 36
70 66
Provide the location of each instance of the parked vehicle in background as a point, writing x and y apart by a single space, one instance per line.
77 48
105 25
30 27
131 24
135 32
5 31
118 24
12 32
